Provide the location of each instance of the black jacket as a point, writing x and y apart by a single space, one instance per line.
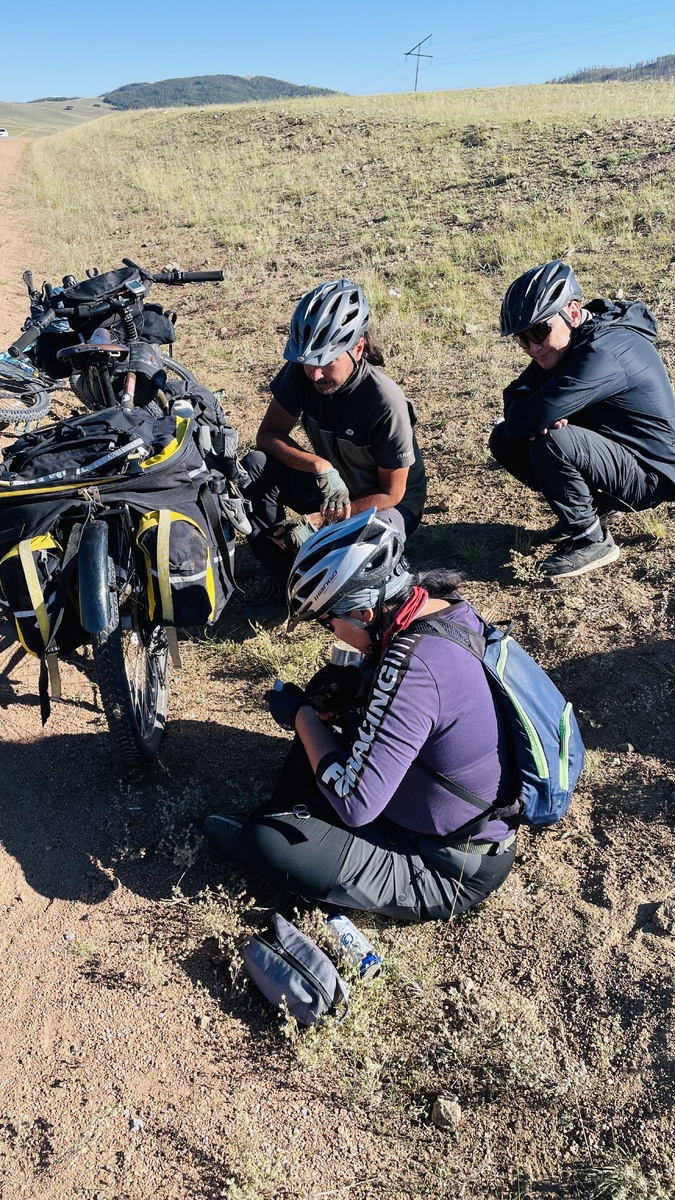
611 380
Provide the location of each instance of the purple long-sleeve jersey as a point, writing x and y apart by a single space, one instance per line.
430 700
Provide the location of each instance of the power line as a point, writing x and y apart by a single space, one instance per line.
523 48
618 14
415 52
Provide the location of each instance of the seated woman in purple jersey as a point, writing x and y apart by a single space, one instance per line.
365 814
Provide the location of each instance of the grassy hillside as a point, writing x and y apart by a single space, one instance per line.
207 89
49 116
659 68
548 1013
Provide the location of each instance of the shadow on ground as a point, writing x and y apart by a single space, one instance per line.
75 831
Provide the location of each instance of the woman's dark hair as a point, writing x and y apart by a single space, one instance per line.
440 583
372 352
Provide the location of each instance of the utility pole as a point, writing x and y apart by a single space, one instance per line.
416 53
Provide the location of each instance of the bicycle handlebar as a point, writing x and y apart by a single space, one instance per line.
30 336
180 277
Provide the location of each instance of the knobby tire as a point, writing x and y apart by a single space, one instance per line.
136 722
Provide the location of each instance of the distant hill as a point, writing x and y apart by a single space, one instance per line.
36 118
206 89
660 68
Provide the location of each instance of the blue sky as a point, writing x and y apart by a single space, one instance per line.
78 47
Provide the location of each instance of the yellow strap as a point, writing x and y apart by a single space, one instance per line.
163 535
38 601
172 639
34 590
54 677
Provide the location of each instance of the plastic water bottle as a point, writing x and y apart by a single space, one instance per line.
354 946
182 408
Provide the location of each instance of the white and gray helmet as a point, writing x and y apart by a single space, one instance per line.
536 295
356 563
328 320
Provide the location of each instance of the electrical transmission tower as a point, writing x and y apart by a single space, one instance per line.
415 52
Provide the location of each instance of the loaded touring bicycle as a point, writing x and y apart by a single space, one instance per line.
117 528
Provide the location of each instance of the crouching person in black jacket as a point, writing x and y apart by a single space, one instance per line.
591 421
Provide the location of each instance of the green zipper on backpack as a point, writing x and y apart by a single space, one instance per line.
533 737
565 747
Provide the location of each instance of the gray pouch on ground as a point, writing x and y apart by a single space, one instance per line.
287 966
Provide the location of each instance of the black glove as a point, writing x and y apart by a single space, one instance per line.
285 704
334 491
333 687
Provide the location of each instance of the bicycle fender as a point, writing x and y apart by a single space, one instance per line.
94 586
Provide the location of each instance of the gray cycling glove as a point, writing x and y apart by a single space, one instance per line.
333 489
297 532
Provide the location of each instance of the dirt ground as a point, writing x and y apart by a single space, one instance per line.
134 1062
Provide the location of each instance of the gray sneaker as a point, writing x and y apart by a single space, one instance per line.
224 834
578 557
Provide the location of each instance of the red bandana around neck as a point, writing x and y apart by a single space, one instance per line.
406 614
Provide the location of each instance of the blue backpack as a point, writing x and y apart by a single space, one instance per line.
547 744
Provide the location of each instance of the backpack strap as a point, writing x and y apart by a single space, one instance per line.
452 631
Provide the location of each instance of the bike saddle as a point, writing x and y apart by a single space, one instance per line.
99 345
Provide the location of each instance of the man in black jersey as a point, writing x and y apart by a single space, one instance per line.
358 423
591 421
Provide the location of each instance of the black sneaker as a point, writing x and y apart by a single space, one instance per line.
224 834
578 557
561 530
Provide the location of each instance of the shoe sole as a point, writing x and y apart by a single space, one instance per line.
610 557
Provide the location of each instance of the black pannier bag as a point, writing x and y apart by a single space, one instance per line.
29 576
58 474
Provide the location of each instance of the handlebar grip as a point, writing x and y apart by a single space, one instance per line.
203 276
30 336
180 277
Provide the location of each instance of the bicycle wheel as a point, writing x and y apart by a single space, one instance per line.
176 370
23 396
131 660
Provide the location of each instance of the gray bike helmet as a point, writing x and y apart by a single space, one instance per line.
536 295
328 320
356 563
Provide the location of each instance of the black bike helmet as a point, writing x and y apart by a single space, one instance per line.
536 295
328 320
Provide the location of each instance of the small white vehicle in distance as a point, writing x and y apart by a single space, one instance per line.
3 132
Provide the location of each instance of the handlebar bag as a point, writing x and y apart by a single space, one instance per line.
102 287
29 576
180 579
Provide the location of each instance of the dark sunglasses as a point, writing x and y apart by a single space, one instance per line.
326 622
535 335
